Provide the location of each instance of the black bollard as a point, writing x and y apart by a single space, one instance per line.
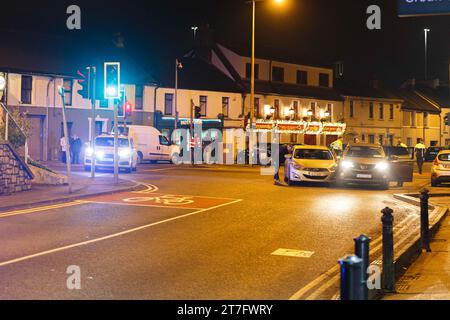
388 280
351 269
424 219
362 249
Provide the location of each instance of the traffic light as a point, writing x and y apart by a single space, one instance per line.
84 83
198 112
447 119
112 80
128 109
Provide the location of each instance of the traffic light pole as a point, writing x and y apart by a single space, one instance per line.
92 90
191 134
116 143
66 139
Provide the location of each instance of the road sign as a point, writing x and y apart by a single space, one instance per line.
414 8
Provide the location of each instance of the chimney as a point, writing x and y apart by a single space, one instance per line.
375 84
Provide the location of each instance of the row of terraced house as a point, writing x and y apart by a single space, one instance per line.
304 103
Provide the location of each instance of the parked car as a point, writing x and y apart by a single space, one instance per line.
401 163
366 164
310 163
104 154
150 144
431 153
440 171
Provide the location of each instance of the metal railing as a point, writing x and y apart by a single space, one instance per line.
9 120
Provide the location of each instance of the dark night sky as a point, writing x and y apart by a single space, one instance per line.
312 30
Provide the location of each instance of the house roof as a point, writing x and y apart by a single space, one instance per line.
358 90
294 90
198 74
414 100
440 95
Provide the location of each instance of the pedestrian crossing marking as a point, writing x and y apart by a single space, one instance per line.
293 253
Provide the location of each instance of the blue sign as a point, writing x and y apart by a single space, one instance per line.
423 7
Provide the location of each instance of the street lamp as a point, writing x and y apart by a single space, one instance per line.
178 66
426 31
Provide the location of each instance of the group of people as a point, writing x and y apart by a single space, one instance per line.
75 145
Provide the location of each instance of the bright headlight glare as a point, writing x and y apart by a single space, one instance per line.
124 153
100 154
382 166
89 151
347 164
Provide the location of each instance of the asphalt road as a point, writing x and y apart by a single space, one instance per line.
197 233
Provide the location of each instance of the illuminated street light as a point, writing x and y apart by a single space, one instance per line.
426 31
2 82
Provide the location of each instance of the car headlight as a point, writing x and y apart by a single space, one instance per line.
347 164
382 166
125 153
297 166
89 151
333 168
100 154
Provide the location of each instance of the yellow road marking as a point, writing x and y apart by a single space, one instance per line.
39 209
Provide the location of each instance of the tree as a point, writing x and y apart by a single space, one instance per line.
16 135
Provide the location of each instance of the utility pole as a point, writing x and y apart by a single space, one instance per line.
116 143
66 138
191 133
92 89
178 66
426 52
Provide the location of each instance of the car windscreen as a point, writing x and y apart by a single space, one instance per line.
397 151
364 152
109 142
313 154
444 157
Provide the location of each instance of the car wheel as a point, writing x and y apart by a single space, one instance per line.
175 159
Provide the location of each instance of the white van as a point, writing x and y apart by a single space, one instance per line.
150 144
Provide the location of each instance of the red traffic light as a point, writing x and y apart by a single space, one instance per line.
128 109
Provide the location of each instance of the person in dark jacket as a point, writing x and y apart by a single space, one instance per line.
75 148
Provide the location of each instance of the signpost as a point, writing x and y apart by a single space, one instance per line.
415 8
61 92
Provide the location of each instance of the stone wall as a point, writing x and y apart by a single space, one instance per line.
15 176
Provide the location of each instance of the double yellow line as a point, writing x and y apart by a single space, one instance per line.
39 209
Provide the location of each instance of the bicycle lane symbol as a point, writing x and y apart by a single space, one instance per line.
168 200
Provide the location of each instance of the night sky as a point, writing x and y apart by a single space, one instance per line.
155 32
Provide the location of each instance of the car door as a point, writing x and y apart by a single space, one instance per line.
164 148
401 165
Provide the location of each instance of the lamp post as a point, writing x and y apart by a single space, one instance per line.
252 80
426 31
178 66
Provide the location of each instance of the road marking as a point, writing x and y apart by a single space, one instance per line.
39 209
156 170
138 205
328 275
293 253
111 236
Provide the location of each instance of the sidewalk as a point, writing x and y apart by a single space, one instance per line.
428 278
82 186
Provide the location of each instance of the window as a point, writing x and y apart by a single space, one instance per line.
168 104
324 80
371 111
139 98
371 138
225 106
381 111
391 112
329 111
413 119
295 106
203 105
409 142
248 71
363 138
67 84
276 104
302 77
278 74
313 109
352 111
381 139
425 119
27 87
257 114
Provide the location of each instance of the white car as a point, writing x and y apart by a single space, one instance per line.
440 171
310 163
103 155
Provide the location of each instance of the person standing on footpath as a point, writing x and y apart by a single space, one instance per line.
420 150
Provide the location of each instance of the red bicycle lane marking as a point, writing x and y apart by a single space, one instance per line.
161 200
